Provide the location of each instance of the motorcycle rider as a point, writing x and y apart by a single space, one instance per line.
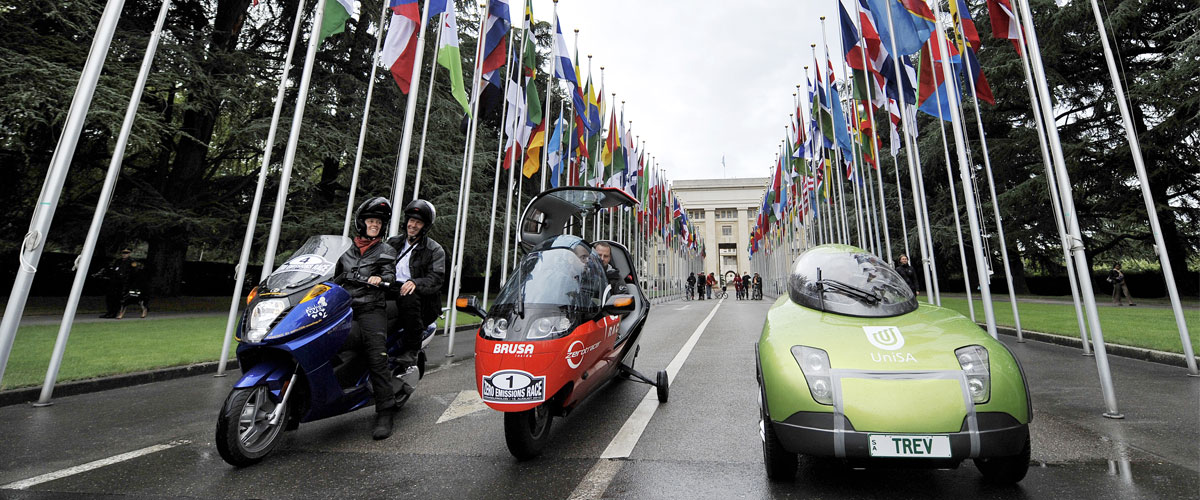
421 272
363 271
604 251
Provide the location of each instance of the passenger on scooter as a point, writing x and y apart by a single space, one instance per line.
604 250
363 271
421 272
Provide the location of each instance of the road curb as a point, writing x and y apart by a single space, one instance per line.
1124 351
31 394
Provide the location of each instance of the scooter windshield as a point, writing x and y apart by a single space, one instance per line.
562 273
313 261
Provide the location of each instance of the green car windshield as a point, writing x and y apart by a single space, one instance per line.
847 280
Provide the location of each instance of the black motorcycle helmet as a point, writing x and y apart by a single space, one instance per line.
377 207
423 211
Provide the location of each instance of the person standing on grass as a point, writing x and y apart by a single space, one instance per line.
1117 278
117 277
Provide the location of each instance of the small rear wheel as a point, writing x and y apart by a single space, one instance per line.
663 386
1005 470
245 430
527 432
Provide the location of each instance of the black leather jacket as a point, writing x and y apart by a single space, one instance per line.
909 274
427 264
379 260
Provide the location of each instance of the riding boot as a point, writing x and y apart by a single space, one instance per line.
383 424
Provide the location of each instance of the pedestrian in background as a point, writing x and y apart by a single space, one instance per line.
1117 278
117 276
712 281
906 271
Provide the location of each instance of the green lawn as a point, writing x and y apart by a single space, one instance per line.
116 347
1151 328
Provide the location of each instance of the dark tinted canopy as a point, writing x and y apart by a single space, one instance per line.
848 280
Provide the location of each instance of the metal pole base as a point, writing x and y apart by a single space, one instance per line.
38 404
1021 341
1114 416
218 375
1088 354
1194 375
448 355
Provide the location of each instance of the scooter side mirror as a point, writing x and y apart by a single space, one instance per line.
619 305
470 305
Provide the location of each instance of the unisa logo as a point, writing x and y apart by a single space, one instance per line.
887 338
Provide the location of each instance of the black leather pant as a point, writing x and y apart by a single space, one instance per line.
367 342
408 308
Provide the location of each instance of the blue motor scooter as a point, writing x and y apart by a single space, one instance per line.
289 349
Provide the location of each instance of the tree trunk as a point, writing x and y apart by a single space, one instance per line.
169 244
167 253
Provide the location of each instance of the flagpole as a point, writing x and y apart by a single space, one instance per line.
1072 224
962 253
554 62
909 143
1055 202
987 166
362 131
289 155
521 121
469 161
248 239
84 261
900 204
837 151
428 101
874 140
981 263
34 241
410 114
1139 164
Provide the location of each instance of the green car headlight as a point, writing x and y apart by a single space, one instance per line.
814 363
974 361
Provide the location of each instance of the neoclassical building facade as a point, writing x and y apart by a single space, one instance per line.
723 212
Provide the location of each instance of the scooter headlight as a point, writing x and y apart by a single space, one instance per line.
974 362
548 326
262 317
814 363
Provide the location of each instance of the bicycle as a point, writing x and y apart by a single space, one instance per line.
691 291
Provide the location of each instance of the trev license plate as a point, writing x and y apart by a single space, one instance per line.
909 445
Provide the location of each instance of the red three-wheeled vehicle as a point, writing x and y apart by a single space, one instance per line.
564 323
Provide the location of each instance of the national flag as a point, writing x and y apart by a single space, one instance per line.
912 20
449 57
593 106
337 12
1004 22
495 38
533 153
934 96
962 17
437 7
553 153
400 46
564 69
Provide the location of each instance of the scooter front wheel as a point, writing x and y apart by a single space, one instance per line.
526 432
249 425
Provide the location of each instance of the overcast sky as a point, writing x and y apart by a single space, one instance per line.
702 79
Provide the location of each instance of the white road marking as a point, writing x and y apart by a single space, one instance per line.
681 308
622 444
70 471
596 480
465 403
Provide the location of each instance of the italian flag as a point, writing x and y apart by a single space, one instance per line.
336 14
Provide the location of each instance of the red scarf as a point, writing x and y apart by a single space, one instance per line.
364 244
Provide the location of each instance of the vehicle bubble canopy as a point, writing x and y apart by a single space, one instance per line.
848 280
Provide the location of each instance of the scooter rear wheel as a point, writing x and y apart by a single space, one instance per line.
526 432
245 434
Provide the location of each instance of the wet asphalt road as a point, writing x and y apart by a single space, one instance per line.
703 443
